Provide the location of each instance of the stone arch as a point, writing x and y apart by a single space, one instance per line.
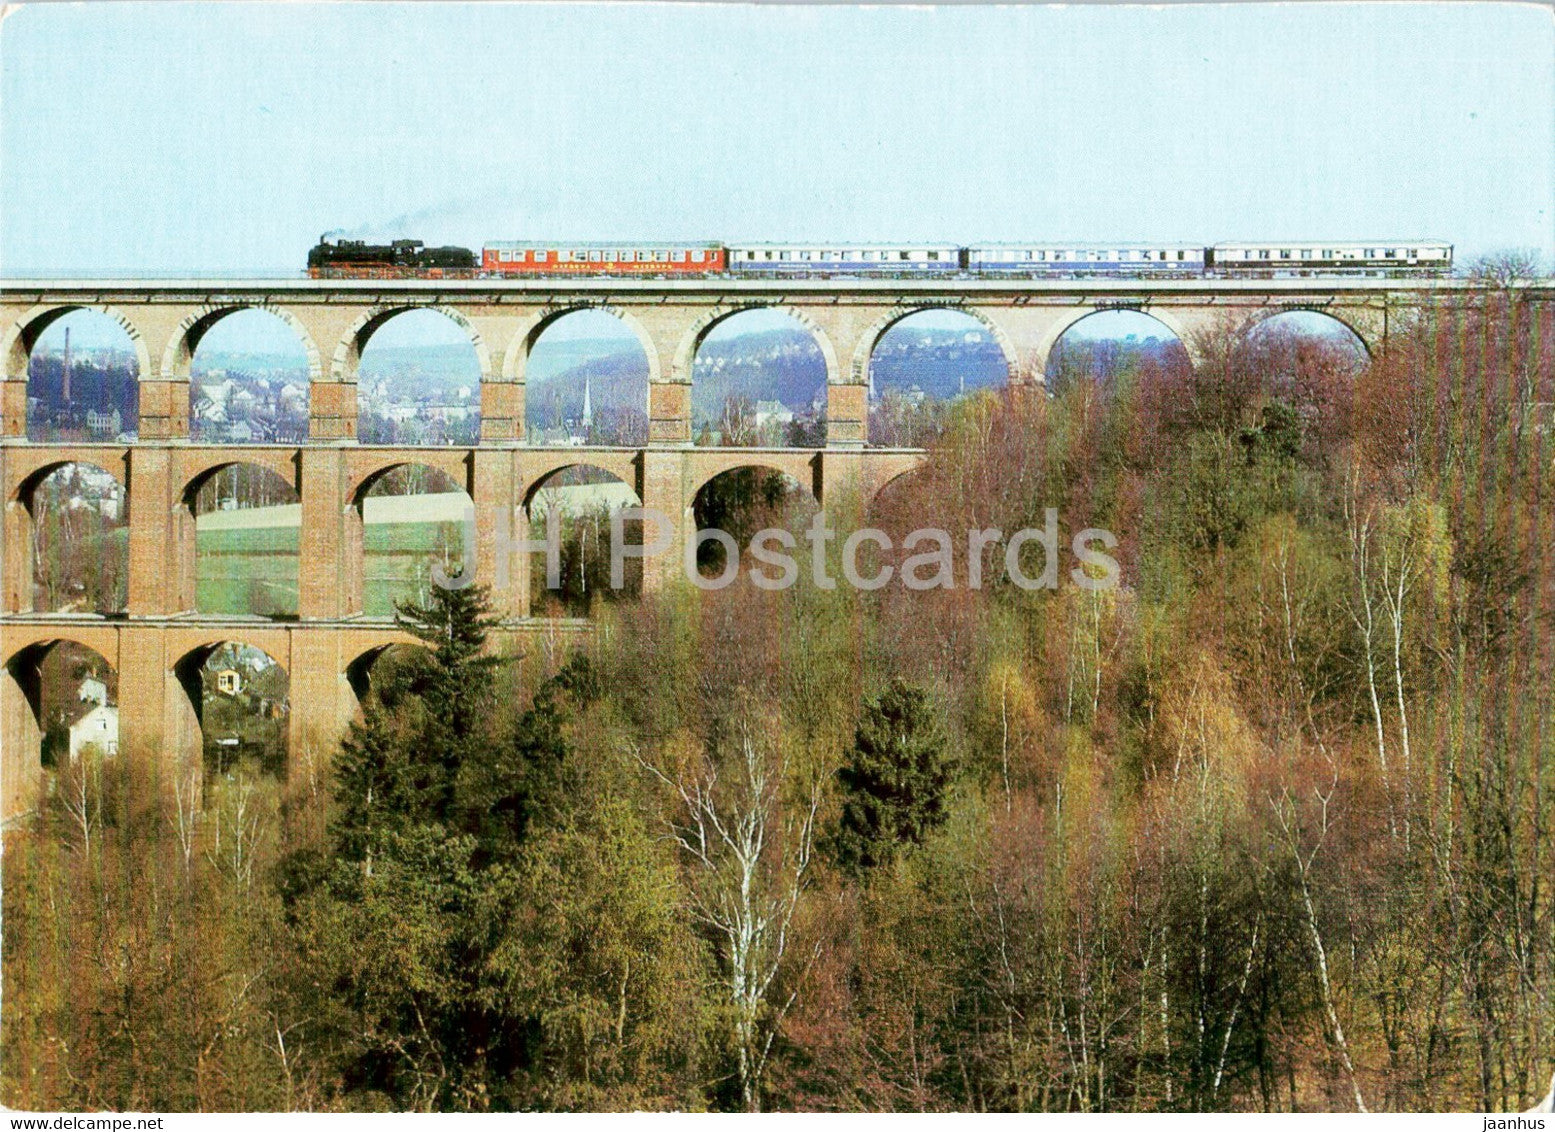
1345 318
803 472
42 465
186 524
1059 328
358 670
368 472
515 362
185 723
100 639
876 486
22 723
685 355
535 465
24 333
348 351
584 528
23 526
1179 328
740 516
197 472
358 595
858 373
537 484
179 355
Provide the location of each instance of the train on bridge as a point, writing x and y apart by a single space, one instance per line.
542 259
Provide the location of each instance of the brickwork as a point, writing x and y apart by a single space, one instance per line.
154 646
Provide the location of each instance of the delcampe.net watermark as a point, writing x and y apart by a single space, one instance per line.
774 554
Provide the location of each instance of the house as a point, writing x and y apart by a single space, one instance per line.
93 691
103 424
240 433
229 682
98 728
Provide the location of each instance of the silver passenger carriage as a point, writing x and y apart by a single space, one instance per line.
798 260
1081 260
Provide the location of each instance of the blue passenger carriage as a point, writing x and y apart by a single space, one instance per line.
1296 258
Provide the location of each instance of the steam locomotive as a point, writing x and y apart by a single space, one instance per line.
348 259
544 259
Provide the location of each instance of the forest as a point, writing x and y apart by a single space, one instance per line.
1266 827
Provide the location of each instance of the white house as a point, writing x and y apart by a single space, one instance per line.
97 728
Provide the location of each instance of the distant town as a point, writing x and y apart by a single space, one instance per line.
756 389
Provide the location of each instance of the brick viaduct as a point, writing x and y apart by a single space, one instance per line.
157 645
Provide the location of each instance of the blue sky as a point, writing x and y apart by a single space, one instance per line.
224 138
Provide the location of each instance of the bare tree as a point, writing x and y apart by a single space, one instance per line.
1506 268
1287 814
749 863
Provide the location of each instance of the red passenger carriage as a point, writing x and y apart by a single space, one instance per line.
518 257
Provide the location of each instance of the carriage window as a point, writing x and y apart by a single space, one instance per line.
1306 253
1389 253
783 255
934 255
1179 255
1414 253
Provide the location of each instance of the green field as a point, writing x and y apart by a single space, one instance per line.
255 569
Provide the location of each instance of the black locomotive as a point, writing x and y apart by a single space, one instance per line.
400 258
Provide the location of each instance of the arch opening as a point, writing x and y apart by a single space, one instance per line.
407 519
586 382
239 700
418 378
741 502
1112 346
61 729
80 540
83 379
758 380
377 675
584 500
923 362
248 379
245 560
1297 342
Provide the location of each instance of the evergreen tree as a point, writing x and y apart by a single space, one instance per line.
895 783
401 765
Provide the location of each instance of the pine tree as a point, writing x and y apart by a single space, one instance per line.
896 781
401 765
